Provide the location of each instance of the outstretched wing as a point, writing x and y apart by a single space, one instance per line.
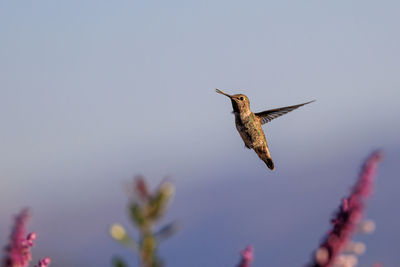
269 115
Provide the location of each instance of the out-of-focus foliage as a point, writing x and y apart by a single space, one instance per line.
119 262
145 210
337 249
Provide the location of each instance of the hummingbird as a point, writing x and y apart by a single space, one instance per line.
249 124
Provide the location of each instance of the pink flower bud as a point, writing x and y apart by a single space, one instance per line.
247 257
31 236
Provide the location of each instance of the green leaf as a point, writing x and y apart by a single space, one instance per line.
137 215
158 203
167 231
118 262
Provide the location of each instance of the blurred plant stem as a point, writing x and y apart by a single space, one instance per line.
145 210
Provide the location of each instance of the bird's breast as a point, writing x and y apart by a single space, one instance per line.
249 129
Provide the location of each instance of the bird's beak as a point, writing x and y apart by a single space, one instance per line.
222 93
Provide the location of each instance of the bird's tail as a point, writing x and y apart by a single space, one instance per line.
264 155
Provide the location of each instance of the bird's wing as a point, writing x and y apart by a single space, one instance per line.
269 115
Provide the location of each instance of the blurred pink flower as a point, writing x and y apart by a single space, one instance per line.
349 214
43 262
247 257
18 252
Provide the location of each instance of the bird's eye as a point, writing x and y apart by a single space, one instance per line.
241 98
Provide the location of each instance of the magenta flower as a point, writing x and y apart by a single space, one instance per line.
247 257
43 262
18 252
348 216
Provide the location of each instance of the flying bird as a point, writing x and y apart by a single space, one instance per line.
249 124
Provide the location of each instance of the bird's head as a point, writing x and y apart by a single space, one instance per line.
240 102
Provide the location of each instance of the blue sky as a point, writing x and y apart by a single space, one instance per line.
94 92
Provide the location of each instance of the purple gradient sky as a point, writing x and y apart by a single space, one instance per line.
94 92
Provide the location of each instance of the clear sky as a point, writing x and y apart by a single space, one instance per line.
94 92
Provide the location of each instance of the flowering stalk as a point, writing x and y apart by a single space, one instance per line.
18 252
247 257
348 216
145 211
